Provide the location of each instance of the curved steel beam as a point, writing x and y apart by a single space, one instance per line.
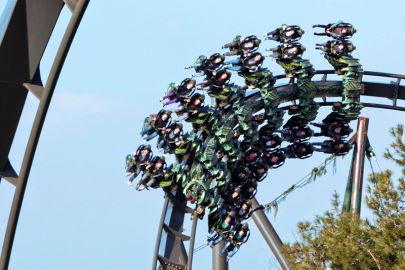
289 92
36 131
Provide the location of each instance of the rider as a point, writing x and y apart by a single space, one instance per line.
137 162
239 236
154 173
336 147
300 150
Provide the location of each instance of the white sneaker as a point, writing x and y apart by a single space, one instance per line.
129 183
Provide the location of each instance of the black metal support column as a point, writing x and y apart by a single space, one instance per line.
219 262
269 234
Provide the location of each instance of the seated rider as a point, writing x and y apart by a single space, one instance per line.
248 190
239 236
154 173
274 159
155 124
248 64
296 130
208 66
217 80
224 228
339 30
178 93
171 137
240 173
259 170
338 148
334 127
251 155
243 210
286 34
337 47
297 134
135 164
300 150
231 195
242 46
287 51
268 139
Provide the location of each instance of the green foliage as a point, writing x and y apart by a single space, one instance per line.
338 240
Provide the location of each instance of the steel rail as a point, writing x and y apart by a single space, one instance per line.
160 232
367 73
36 131
269 234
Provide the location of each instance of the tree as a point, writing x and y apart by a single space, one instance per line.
337 240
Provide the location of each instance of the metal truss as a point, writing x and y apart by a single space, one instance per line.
30 25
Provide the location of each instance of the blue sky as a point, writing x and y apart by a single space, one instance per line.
78 211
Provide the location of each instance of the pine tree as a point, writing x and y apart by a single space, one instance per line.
337 240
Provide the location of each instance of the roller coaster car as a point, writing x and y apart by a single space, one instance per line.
338 30
337 47
286 34
287 51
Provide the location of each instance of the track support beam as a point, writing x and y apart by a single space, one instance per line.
39 120
219 262
353 195
269 234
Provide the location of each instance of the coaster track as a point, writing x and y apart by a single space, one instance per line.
288 93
